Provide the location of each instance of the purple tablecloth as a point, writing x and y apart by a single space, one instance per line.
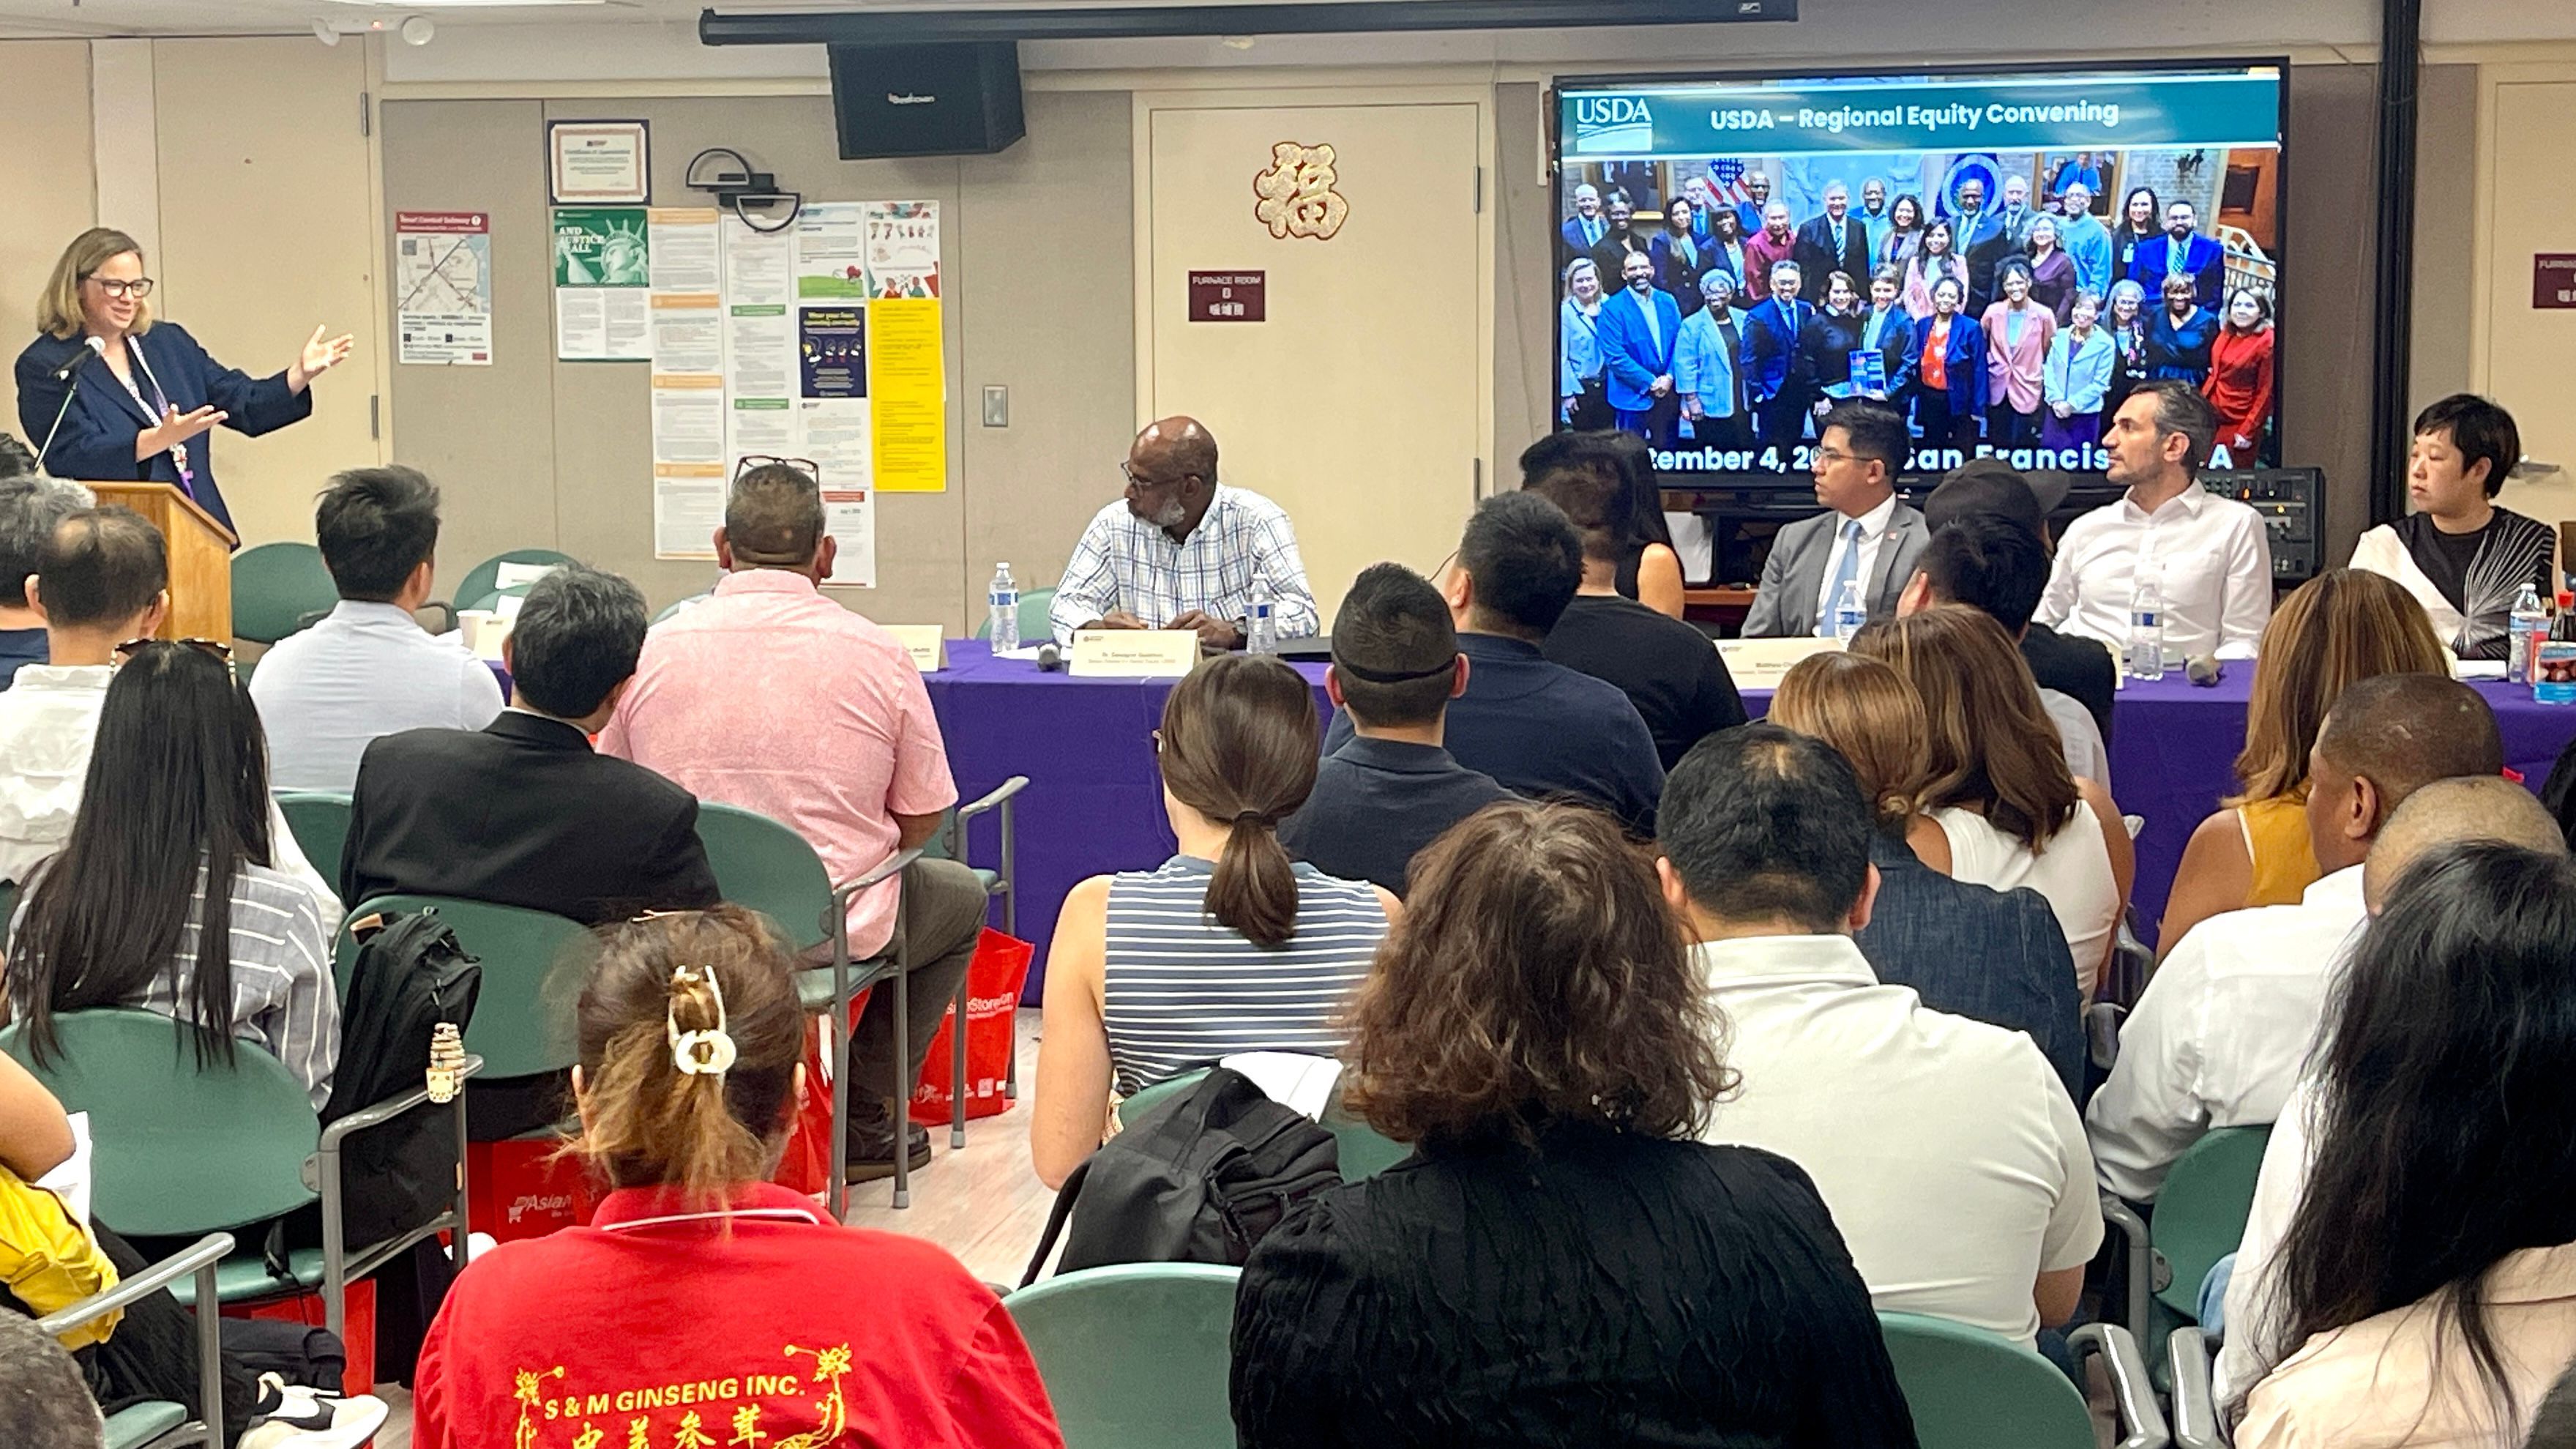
1094 802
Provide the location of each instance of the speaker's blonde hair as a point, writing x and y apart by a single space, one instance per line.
58 311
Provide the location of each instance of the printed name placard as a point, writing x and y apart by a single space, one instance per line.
926 643
1760 663
1135 653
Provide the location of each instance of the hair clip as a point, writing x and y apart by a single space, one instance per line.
706 1053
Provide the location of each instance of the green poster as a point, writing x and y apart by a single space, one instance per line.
601 246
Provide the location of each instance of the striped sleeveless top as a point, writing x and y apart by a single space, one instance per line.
1178 991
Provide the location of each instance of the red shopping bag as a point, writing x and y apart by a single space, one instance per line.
526 1188
993 983
357 1329
806 1166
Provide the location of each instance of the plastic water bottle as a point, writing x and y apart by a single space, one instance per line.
1005 598
2147 624
1849 612
2525 627
1261 622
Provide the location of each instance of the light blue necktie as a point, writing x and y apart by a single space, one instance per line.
1844 572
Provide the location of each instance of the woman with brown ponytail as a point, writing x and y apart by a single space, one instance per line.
704 1305
1228 948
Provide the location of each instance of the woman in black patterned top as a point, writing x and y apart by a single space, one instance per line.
1559 1263
2464 559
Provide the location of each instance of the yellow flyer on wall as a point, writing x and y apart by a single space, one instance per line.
907 386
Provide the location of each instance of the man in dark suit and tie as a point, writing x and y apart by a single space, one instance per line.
523 812
1837 241
1757 191
1771 332
1583 230
2182 249
1866 535
1974 231
1638 330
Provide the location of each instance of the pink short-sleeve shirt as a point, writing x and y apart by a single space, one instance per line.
773 698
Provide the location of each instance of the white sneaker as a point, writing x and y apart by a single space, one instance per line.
296 1417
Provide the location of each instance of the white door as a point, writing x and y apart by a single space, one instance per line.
2533 131
1358 404
268 231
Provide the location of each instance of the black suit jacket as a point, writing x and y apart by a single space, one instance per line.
522 813
1814 253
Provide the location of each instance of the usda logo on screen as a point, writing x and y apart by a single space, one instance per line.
1613 123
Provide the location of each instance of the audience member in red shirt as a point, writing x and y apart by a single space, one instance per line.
704 1306
2239 385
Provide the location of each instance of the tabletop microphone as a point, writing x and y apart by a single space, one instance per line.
90 347
2204 670
1050 659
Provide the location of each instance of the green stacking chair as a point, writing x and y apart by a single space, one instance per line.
1135 1356
1362 1150
1034 623
158 1424
186 1149
320 820
484 579
764 866
533 968
949 842
277 587
2199 1218
1970 1389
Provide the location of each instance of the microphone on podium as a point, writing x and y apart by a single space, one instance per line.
2204 670
90 347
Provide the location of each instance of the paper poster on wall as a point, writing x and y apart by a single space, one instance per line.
831 251
682 243
759 343
602 276
688 503
833 349
598 161
903 248
907 391
850 517
443 288
688 333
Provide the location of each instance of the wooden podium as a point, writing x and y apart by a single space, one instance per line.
201 557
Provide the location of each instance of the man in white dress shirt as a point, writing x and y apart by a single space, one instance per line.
2218 1037
1180 550
1946 1149
2211 556
2448 812
1867 535
368 669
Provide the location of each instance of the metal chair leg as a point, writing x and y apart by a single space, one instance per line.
210 1358
957 1071
836 1041
1011 928
902 1048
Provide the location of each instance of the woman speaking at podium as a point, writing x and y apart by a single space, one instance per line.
107 396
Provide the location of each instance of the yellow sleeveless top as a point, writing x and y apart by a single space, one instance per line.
2276 838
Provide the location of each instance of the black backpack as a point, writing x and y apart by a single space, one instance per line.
410 976
1198 1180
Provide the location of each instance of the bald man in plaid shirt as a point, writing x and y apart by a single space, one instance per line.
1181 550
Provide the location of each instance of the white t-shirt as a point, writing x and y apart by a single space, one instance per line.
1946 1149
2073 870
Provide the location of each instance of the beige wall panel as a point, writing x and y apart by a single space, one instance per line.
2326 342
2446 181
1045 292
1524 315
1355 406
45 171
486 435
267 233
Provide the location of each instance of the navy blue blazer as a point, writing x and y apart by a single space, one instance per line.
1771 345
1575 241
1965 357
97 437
1993 956
2205 259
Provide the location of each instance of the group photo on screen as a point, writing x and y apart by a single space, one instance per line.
2003 301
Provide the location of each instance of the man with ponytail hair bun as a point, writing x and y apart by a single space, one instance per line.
1229 947
702 1297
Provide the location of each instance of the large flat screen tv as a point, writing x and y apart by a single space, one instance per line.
2001 256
